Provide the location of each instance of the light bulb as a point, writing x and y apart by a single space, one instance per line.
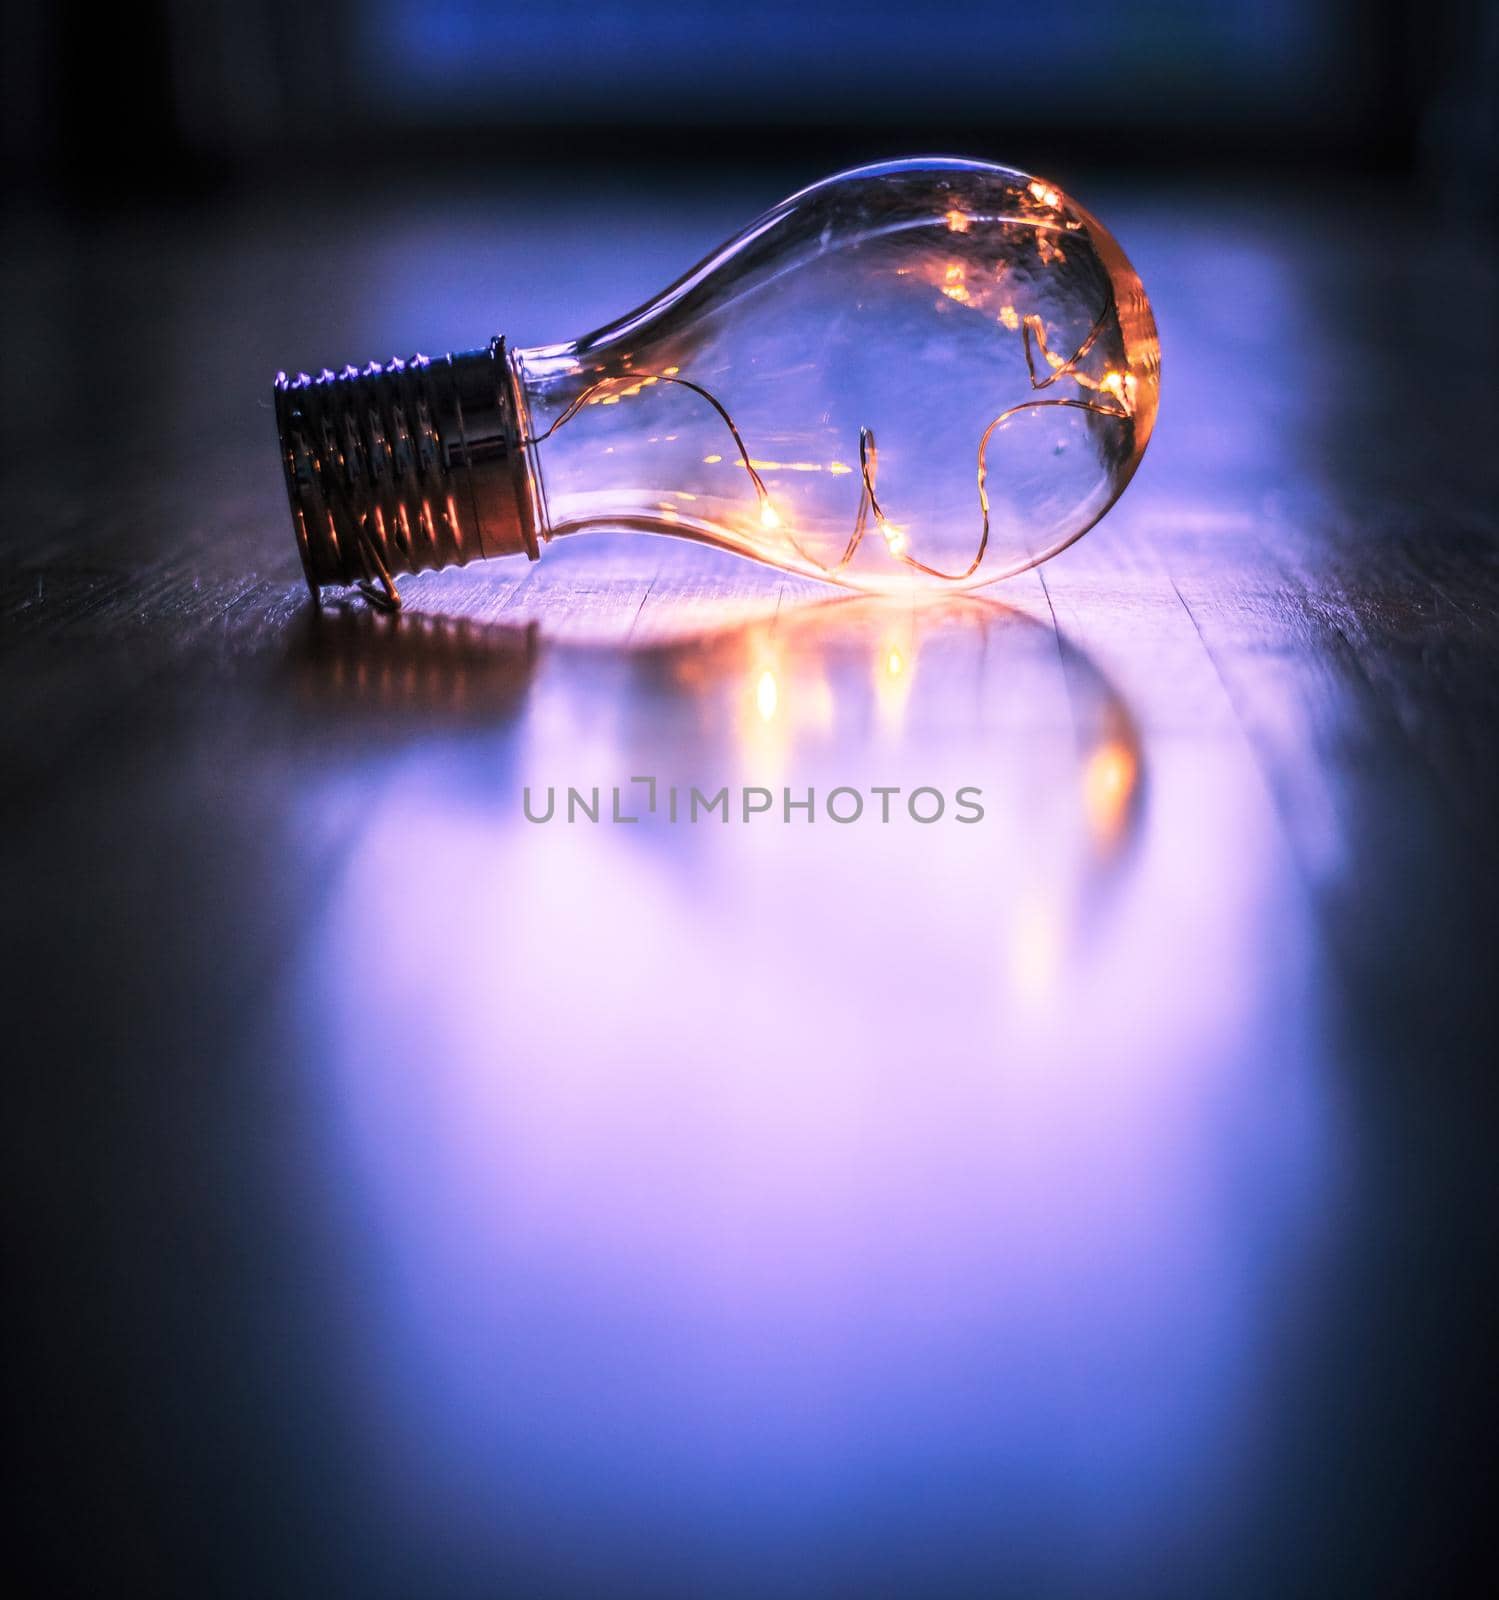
932 371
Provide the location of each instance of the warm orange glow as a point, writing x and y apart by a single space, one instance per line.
1044 193
1010 317
769 516
892 669
1108 786
767 696
894 538
952 283
959 221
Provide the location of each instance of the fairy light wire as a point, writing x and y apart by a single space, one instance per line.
1033 337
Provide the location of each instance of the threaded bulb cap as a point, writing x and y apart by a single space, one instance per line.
406 466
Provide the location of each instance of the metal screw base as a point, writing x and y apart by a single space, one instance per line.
409 466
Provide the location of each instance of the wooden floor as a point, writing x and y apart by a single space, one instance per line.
407 1197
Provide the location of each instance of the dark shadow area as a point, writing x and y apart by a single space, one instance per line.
196 98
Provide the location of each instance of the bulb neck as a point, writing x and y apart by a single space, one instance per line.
406 466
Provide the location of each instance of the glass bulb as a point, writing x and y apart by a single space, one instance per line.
928 372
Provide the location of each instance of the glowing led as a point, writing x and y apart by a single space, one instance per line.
1116 384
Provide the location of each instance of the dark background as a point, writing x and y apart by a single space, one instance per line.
108 104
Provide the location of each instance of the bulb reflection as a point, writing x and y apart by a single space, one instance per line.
791 1193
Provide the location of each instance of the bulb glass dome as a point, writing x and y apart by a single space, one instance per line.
929 371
